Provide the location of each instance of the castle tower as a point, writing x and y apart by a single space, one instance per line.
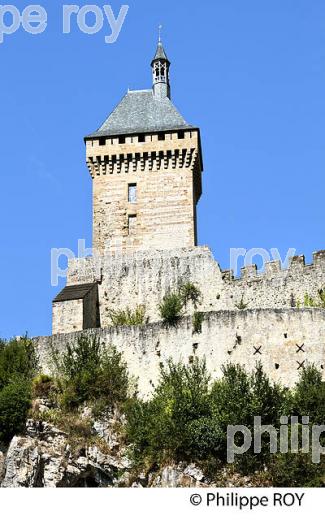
145 162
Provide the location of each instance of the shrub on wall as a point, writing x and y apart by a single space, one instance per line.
171 308
189 292
306 399
128 317
173 304
88 372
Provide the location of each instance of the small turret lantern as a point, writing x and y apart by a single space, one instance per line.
160 72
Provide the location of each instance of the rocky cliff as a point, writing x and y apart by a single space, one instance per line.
47 456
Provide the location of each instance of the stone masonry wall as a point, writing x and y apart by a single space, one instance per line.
167 174
283 340
145 277
67 316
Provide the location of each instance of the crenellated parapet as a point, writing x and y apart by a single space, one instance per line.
297 265
276 287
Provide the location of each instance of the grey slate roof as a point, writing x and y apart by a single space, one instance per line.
160 53
140 112
74 292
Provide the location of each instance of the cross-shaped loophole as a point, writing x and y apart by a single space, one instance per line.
257 350
300 365
300 348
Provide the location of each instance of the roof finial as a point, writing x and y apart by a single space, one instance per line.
159 33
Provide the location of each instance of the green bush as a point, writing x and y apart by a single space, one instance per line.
113 382
171 308
173 304
17 360
128 317
309 396
18 364
161 428
189 292
78 368
296 470
206 438
15 400
268 399
239 397
186 419
89 372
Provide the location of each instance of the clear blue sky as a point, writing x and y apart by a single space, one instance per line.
250 73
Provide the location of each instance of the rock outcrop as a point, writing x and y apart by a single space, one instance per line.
46 456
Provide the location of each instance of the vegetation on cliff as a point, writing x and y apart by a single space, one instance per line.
17 368
185 420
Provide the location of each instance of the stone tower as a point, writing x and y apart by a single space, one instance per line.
146 164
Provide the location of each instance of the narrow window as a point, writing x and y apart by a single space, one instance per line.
161 136
181 134
142 138
121 140
132 193
102 141
132 222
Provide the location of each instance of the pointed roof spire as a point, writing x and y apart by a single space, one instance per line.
160 52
